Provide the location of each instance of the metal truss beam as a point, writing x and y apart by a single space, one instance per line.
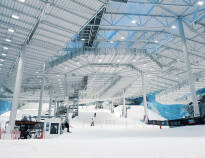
140 14
157 3
73 53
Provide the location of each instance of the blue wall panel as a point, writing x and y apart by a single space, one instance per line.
5 106
170 112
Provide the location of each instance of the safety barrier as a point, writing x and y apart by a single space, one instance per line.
41 136
178 122
15 134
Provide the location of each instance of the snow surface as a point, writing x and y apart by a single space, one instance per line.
137 113
96 142
115 139
106 119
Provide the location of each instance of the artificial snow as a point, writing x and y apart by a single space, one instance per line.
112 137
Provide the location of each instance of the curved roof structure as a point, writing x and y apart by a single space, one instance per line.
96 50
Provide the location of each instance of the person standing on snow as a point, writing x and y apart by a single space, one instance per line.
92 122
67 125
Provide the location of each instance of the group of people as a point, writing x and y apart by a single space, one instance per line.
66 124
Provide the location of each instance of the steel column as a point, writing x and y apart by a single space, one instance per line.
17 90
50 102
110 106
57 108
189 70
66 86
124 110
55 105
144 97
41 95
112 110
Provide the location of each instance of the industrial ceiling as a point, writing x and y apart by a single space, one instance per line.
95 50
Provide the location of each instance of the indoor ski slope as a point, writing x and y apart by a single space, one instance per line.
96 142
105 118
112 137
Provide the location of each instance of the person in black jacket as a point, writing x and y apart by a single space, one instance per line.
67 125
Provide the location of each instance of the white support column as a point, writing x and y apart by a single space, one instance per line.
49 108
78 108
144 97
112 107
66 86
124 106
50 102
55 105
189 69
41 95
67 112
17 90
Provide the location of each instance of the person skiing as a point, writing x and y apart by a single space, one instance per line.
92 122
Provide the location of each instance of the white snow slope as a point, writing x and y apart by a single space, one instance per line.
95 142
103 141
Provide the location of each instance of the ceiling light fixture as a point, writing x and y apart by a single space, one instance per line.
156 41
7 40
11 30
200 3
5 48
83 39
2 60
3 54
122 37
100 60
118 60
134 21
22 1
15 17
173 27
